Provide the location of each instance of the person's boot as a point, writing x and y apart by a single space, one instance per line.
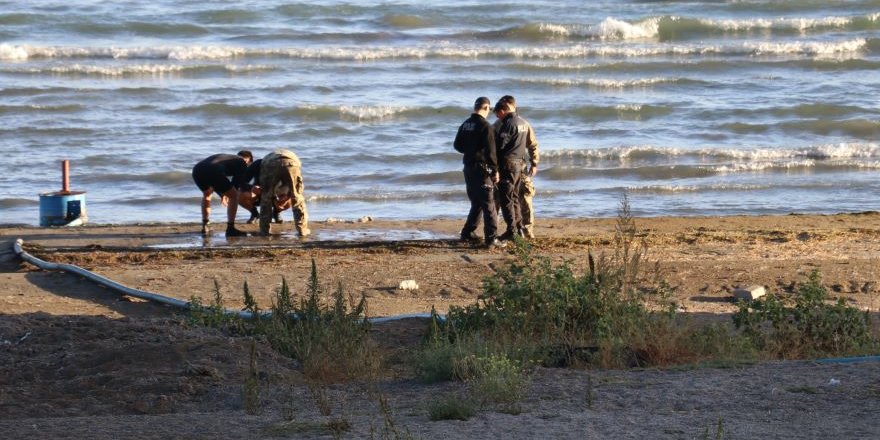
495 244
468 236
276 217
206 229
506 236
231 231
255 215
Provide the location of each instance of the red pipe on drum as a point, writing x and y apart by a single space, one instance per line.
65 176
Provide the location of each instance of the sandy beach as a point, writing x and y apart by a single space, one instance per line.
78 360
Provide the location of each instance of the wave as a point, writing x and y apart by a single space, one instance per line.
59 132
403 21
669 28
649 153
34 91
139 69
696 66
858 128
172 178
363 113
718 187
627 112
139 28
38 109
599 83
163 200
18 19
226 16
388 196
676 28
7 203
99 160
441 50
431 178
379 113
807 110
799 6
694 171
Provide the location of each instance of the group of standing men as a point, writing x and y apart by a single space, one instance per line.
277 183
499 161
496 173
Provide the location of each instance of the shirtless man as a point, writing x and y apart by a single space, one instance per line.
213 174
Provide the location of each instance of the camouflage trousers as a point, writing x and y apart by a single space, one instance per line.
526 200
282 177
527 195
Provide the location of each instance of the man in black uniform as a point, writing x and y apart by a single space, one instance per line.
476 140
511 140
212 174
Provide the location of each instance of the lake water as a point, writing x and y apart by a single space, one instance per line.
691 107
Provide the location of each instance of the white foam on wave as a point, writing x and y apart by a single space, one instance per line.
555 29
795 23
612 28
372 113
810 48
136 69
439 49
602 83
13 53
112 71
675 189
756 155
762 166
615 29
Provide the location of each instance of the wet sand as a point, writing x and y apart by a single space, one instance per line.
80 361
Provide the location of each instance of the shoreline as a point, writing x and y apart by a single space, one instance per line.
702 258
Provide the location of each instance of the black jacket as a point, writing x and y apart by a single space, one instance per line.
513 138
476 140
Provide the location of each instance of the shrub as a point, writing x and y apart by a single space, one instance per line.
214 314
435 362
331 342
451 407
805 325
559 317
494 379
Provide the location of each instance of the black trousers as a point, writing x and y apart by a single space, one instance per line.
511 180
480 191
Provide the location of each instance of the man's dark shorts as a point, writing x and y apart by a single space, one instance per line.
208 176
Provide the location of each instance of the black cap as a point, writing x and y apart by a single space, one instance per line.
481 101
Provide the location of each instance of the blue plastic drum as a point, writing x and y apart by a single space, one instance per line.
62 209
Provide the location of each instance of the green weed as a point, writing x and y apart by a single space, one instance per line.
806 325
452 407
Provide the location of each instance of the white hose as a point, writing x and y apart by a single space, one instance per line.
162 299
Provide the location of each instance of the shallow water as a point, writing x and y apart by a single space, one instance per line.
218 239
692 108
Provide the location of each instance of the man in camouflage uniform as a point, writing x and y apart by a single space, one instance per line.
281 177
527 189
